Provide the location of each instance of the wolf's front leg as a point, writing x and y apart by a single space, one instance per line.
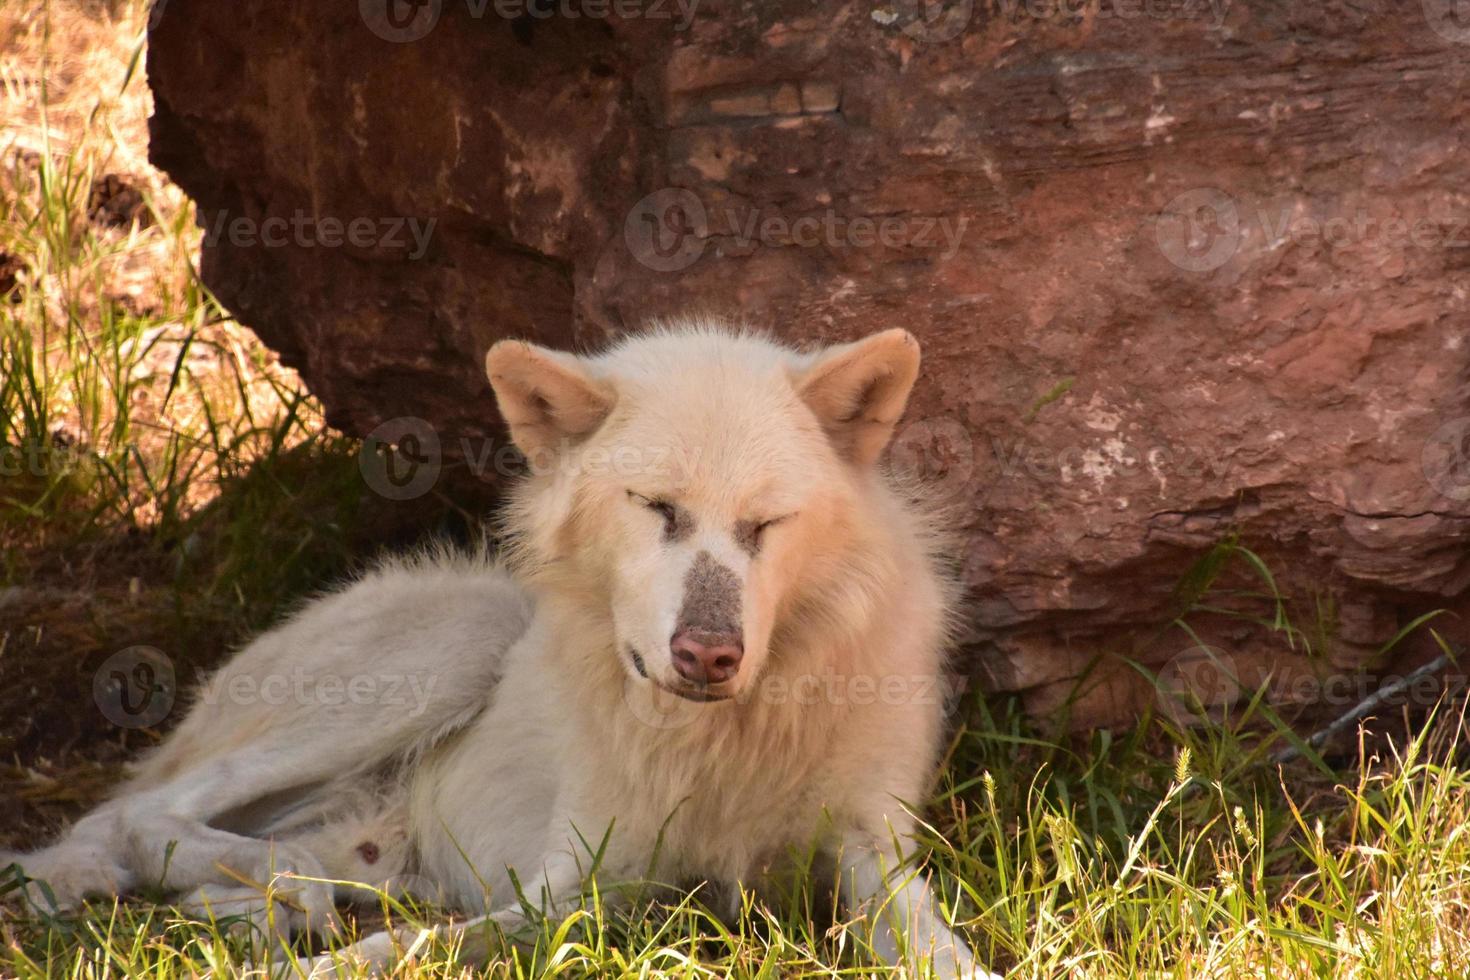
907 928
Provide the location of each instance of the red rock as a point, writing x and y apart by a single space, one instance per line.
1168 302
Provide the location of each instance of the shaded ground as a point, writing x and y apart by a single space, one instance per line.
70 606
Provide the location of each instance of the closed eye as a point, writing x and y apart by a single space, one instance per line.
750 535
663 508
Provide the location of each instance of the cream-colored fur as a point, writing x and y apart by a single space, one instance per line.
687 475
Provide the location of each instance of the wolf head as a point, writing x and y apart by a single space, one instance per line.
701 492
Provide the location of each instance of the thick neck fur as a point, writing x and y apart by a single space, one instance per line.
686 768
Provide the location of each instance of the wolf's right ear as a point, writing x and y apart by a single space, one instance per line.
545 396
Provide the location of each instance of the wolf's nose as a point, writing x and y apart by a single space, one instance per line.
706 658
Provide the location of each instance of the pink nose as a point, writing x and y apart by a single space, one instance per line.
706 658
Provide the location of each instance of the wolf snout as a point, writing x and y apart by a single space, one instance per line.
702 657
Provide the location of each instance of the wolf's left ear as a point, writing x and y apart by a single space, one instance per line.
546 397
859 391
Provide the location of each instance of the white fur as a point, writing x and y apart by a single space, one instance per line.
529 735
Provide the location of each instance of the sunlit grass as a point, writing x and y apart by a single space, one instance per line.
126 393
1111 857
129 400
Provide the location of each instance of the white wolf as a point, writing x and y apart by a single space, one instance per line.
721 644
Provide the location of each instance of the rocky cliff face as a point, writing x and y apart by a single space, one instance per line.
1182 269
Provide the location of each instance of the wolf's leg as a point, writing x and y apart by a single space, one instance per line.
477 939
185 854
361 837
907 926
427 639
161 835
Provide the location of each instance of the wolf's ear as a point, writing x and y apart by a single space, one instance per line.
546 397
858 391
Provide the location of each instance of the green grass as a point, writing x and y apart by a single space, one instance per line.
1154 854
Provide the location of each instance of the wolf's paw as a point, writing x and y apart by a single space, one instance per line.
957 963
61 878
284 894
371 957
249 910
